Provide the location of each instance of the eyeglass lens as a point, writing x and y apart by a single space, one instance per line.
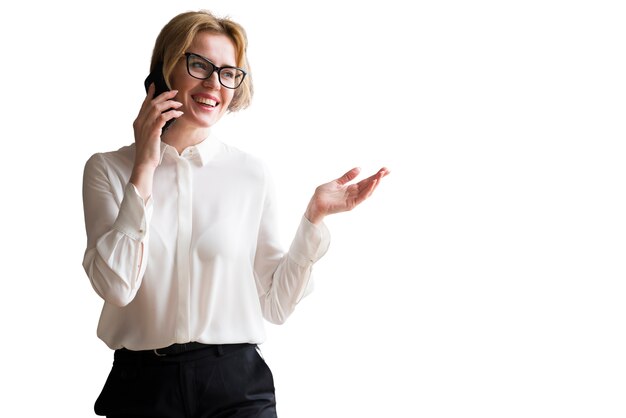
200 68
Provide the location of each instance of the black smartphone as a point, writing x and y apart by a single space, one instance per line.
160 86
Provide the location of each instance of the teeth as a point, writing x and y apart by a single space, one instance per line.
205 101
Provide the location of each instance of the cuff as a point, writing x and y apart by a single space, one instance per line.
133 217
310 243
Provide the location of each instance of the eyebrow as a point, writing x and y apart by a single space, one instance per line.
218 66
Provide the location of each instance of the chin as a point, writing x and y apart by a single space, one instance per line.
203 123
211 122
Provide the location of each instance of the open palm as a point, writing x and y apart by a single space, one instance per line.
340 196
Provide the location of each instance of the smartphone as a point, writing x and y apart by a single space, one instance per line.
160 86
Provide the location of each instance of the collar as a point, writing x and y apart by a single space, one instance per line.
202 152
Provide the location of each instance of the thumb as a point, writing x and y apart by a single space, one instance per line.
348 176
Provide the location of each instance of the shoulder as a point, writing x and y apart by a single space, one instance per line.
121 158
121 155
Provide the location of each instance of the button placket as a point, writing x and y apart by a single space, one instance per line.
183 244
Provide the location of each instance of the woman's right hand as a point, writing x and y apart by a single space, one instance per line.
149 124
148 127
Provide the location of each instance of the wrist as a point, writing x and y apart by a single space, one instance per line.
141 178
313 215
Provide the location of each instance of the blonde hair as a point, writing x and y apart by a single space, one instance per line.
178 34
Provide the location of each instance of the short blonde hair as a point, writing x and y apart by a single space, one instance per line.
178 34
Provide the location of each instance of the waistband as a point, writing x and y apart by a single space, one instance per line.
179 350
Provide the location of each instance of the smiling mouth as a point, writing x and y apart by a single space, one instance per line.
205 101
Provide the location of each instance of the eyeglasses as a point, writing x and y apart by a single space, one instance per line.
201 68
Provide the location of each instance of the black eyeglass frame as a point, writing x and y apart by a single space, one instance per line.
215 69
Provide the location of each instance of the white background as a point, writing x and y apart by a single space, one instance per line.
485 277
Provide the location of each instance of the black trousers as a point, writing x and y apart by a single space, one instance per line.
216 381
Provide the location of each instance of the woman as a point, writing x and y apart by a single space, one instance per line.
182 240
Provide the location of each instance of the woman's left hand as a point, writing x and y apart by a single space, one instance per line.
339 196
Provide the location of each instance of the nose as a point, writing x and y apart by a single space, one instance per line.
213 81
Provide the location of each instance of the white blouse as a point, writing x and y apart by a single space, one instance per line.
201 259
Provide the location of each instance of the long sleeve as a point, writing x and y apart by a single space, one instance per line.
284 279
117 227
